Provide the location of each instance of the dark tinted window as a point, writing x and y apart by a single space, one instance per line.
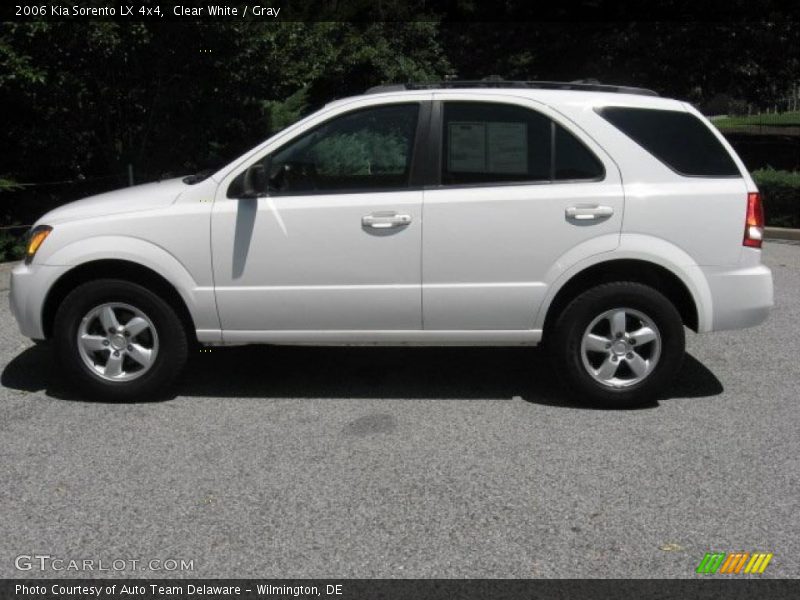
574 160
368 149
485 143
678 139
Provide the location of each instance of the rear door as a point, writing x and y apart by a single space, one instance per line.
516 191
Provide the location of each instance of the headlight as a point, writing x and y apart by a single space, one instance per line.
35 239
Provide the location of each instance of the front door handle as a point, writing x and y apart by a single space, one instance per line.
385 220
589 212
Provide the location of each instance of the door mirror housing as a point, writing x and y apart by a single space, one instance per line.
254 183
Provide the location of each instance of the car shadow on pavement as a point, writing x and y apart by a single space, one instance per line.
359 372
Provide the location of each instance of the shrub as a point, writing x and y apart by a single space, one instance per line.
780 191
12 238
12 244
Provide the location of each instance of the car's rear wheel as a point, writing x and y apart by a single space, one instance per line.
116 340
618 344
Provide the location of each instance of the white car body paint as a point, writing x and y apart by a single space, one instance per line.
475 265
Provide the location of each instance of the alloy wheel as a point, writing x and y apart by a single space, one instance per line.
117 341
621 347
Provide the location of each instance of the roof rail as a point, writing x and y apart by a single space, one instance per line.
586 85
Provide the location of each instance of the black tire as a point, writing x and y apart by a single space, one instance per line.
569 358
155 381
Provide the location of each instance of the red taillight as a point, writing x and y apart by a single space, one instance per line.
754 223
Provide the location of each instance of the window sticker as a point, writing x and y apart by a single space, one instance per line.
466 147
494 147
508 147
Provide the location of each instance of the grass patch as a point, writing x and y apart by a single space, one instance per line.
786 119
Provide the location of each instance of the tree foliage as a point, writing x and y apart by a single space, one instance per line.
88 99
182 96
756 61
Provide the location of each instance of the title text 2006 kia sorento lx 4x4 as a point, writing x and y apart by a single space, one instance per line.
597 220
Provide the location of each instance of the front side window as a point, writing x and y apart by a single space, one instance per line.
369 149
484 143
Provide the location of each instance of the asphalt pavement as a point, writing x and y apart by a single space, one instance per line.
393 462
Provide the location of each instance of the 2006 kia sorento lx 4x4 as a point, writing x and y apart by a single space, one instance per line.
595 219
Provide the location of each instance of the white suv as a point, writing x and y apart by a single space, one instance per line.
595 219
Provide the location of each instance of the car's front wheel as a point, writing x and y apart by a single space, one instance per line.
117 340
619 344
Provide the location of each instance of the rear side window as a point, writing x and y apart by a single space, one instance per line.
678 139
486 142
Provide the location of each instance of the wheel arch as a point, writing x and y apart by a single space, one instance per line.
112 268
638 270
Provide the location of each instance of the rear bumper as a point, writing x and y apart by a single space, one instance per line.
740 298
28 290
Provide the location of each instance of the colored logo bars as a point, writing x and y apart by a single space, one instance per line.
734 562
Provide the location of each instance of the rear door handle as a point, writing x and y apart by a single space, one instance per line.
589 212
385 220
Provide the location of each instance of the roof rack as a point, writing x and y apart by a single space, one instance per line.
585 85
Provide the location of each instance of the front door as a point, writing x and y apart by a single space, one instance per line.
335 242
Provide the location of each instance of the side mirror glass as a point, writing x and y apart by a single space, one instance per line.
255 182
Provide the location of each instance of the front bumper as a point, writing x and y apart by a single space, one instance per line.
28 289
740 297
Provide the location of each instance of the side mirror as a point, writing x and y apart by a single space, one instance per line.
255 182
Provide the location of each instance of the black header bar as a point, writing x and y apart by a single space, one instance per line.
705 588
454 11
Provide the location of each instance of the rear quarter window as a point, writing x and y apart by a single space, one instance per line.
678 139
574 161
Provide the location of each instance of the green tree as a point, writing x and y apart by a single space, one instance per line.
179 96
